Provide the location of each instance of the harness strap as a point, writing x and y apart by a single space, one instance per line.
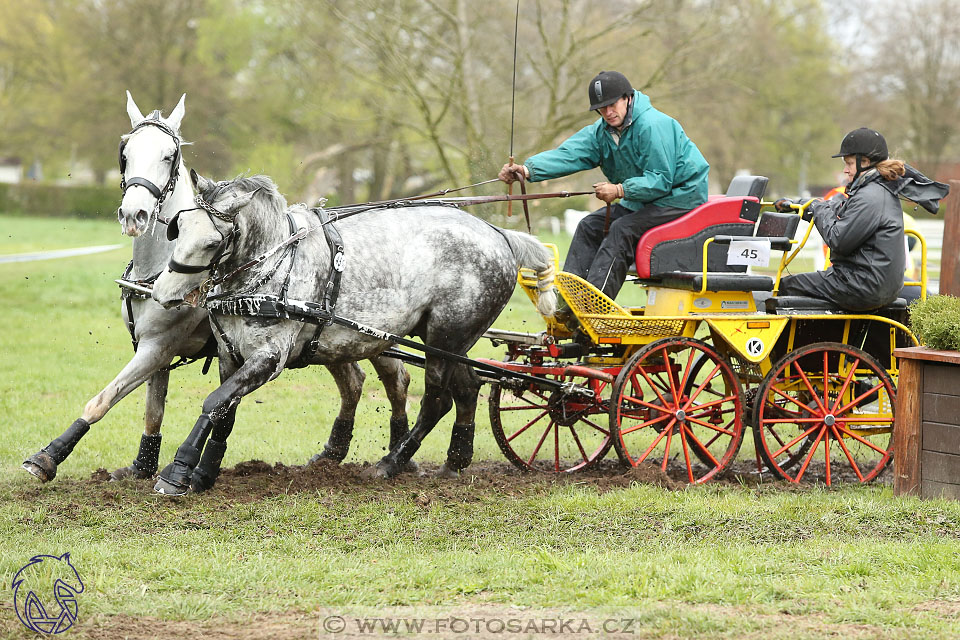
232 350
332 288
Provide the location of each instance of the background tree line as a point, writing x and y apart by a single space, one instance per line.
372 99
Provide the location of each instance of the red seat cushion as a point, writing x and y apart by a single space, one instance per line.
718 210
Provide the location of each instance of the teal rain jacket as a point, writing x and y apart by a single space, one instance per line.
655 160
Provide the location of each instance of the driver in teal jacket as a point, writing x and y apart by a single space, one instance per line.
652 167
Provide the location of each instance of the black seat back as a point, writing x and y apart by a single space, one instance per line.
774 224
747 186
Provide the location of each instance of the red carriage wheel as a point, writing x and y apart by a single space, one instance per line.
825 412
552 431
677 403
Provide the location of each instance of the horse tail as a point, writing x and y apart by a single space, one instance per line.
531 254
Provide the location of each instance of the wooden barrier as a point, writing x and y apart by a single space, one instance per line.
950 257
926 437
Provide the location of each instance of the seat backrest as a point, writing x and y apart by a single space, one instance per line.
678 245
747 186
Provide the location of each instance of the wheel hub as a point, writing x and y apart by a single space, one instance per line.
681 415
829 420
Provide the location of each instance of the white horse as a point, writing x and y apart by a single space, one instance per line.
155 188
433 272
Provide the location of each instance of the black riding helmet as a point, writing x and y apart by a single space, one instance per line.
608 87
863 142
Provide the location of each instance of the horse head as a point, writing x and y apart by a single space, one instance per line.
150 165
204 237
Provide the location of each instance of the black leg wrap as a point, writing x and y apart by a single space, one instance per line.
175 477
148 457
338 444
399 428
402 453
460 453
61 447
207 472
43 464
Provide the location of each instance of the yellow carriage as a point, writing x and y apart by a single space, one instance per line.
675 382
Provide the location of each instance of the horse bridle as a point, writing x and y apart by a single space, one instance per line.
173 231
153 120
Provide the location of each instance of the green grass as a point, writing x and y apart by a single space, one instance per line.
728 561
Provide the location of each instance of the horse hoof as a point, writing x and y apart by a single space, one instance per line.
42 466
165 488
174 480
411 467
386 469
325 455
446 472
130 472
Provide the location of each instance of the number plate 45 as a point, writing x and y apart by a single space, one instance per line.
755 253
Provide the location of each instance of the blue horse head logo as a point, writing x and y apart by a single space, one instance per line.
45 594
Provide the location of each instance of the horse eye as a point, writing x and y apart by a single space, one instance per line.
213 244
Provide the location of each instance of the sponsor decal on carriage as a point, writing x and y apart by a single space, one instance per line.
735 304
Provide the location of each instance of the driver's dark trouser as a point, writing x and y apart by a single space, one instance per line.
603 262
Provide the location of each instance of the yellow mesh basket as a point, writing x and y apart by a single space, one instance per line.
601 317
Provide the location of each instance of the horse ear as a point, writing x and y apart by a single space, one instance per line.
199 182
240 201
133 111
176 116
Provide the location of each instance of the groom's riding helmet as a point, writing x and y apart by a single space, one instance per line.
863 142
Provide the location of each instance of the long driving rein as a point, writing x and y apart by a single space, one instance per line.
153 120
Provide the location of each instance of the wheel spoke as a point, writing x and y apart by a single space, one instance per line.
656 441
797 439
846 383
643 403
556 447
670 376
795 401
686 370
686 455
863 440
527 426
666 451
806 381
697 391
648 423
595 426
700 445
636 384
846 451
813 450
826 453
712 403
853 403
714 427
576 439
540 444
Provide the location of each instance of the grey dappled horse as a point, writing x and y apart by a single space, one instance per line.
155 187
433 272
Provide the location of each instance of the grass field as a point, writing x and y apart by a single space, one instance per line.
284 552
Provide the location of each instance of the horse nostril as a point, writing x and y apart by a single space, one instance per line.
141 217
119 214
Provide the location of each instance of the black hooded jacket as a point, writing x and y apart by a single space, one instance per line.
865 234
